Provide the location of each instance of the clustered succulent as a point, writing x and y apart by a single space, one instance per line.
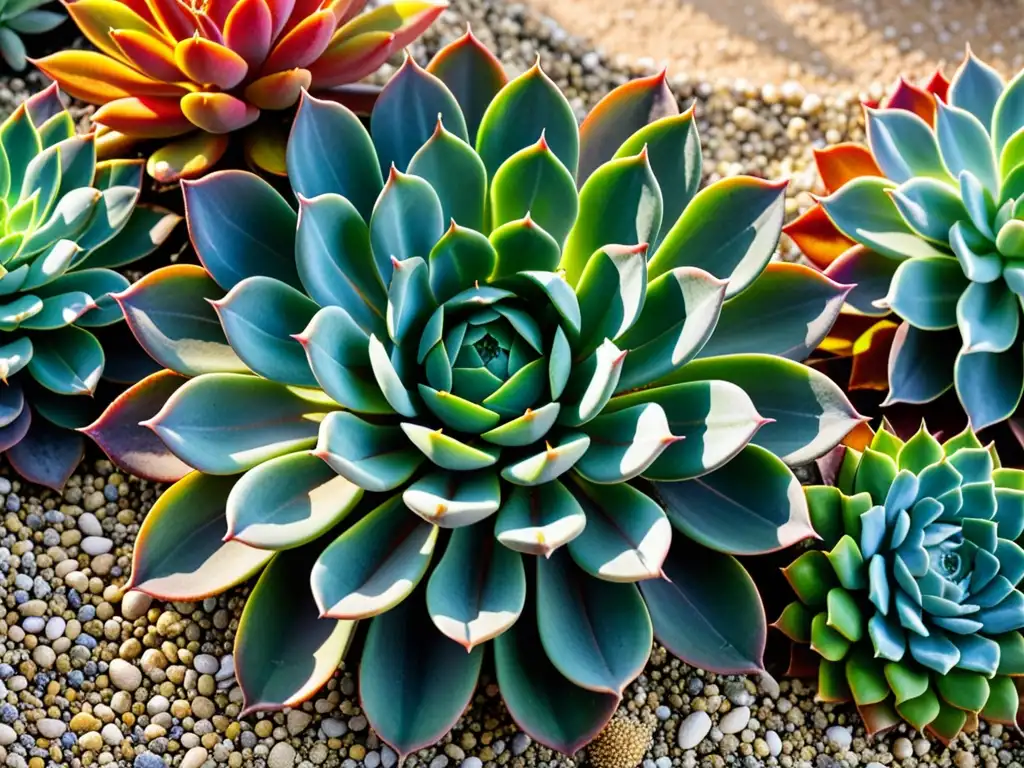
199 71
65 221
23 17
470 388
911 606
471 371
927 222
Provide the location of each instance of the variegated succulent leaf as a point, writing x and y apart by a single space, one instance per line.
476 374
913 602
65 220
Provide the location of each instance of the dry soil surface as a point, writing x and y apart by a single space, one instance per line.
826 44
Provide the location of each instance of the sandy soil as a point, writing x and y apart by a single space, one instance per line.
827 44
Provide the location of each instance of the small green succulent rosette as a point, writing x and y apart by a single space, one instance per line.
943 230
499 377
912 607
65 221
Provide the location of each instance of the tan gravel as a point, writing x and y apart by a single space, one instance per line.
824 44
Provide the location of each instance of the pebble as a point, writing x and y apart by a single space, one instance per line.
96 545
902 748
297 721
135 604
55 627
111 734
205 664
735 720
281 756
7 735
89 525
334 728
520 743
125 676
839 736
51 728
774 743
469 762
693 729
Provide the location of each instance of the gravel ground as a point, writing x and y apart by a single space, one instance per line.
90 676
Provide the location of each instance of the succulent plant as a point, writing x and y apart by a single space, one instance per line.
913 608
470 387
65 221
23 17
926 221
196 72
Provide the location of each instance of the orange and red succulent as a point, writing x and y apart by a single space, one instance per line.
197 71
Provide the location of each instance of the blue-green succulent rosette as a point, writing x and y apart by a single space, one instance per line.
942 225
912 606
66 221
499 377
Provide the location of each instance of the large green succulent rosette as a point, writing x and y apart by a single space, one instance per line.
912 607
941 219
499 377
65 222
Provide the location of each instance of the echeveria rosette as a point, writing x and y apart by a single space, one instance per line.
938 242
65 221
23 17
472 385
912 605
196 71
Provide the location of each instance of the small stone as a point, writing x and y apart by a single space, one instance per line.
297 721
693 729
83 722
334 728
134 605
520 743
472 762
91 741
840 737
203 708
125 676
921 747
205 664
226 669
902 748
372 760
663 712
96 545
89 525
774 743
7 735
55 627
735 720
111 735
51 728
281 756
148 760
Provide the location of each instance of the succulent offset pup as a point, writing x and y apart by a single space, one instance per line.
470 388
23 17
928 221
198 71
66 220
914 610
